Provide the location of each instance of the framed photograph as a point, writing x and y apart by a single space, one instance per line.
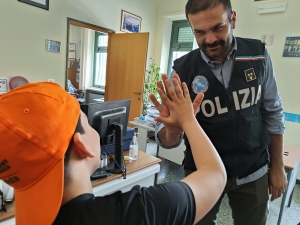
44 4
3 84
72 47
291 47
130 23
53 46
72 55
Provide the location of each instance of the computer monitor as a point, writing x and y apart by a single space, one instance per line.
110 120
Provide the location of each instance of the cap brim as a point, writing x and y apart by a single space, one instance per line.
40 203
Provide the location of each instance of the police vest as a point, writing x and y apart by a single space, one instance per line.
230 117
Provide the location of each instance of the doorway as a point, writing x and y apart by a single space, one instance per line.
126 56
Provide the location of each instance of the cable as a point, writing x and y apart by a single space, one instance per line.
123 170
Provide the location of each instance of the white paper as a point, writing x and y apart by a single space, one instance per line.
71 55
267 39
43 2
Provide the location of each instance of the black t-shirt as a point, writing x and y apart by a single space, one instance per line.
165 204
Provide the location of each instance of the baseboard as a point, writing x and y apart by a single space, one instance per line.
297 181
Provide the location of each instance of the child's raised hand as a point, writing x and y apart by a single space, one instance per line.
178 102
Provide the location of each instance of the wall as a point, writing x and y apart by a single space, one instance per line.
287 69
252 25
75 37
24 29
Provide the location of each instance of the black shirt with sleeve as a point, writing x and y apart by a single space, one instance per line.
166 204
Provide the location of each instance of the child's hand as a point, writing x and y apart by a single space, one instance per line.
178 102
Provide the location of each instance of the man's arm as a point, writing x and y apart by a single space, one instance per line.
272 113
208 181
277 177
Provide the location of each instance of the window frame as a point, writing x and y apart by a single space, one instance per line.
174 45
97 34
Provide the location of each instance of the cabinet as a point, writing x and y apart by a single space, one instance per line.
94 95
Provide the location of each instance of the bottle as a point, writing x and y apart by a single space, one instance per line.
133 149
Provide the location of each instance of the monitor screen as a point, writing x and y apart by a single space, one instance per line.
110 120
103 114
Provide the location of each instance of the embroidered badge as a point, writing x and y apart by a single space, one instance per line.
200 84
250 75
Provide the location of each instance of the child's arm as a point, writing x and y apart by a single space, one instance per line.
207 183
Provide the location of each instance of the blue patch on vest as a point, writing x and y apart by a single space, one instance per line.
200 84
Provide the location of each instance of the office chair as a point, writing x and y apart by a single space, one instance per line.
78 94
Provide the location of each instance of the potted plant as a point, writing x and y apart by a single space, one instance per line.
152 76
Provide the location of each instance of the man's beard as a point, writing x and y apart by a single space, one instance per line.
224 46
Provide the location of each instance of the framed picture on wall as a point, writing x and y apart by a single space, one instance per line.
72 47
44 4
130 23
291 47
3 84
72 55
53 46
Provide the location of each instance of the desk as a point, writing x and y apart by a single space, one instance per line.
139 172
291 166
142 134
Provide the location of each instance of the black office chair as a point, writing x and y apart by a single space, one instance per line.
78 94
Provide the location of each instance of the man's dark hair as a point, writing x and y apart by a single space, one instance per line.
78 129
195 6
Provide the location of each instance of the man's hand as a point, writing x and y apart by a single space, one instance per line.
277 177
277 182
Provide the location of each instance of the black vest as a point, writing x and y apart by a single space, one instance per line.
230 117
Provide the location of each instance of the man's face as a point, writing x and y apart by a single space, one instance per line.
92 140
213 32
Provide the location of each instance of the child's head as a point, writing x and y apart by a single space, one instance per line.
37 125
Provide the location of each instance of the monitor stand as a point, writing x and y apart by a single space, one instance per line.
116 166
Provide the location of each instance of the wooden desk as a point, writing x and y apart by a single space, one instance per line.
139 172
291 165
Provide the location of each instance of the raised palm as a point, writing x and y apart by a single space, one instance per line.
164 110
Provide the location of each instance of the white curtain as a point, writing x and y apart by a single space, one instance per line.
86 58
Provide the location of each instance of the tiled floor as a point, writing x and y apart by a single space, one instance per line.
170 171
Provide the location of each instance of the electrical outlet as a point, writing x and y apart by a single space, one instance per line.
50 80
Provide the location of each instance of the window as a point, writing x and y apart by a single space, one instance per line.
100 59
182 38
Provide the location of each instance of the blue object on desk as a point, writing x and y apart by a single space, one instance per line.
126 142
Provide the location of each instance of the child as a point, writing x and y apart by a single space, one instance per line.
49 151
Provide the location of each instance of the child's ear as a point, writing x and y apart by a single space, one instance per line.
79 146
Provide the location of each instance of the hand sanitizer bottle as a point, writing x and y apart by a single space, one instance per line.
133 149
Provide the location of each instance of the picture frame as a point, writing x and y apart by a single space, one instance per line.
291 47
72 55
72 47
3 84
130 22
43 4
53 46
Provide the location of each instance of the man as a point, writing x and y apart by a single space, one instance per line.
241 112
49 151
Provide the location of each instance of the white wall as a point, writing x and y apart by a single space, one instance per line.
287 69
252 25
75 37
24 29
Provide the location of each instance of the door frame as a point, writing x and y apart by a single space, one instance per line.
78 23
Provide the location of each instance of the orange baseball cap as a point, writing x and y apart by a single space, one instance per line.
37 123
